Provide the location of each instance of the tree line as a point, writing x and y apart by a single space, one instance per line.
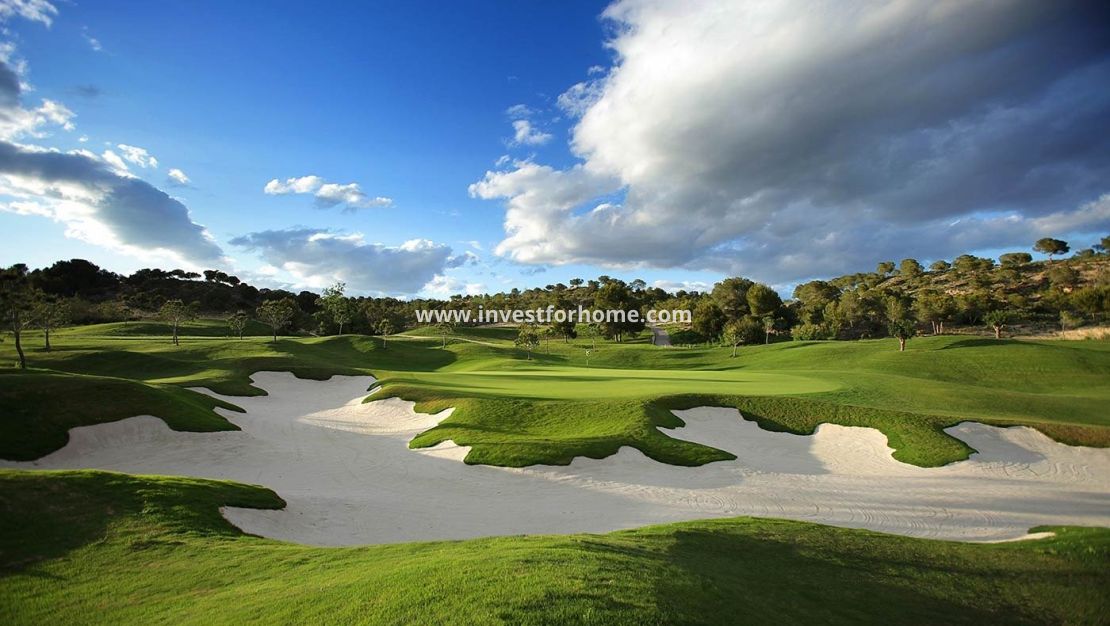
896 300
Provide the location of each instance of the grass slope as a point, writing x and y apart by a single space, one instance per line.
39 408
550 409
143 549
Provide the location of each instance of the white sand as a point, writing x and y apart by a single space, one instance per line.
348 477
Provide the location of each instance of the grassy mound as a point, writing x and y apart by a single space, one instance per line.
155 549
37 408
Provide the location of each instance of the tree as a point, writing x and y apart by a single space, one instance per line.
768 328
940 265
527 339
17 303
176 312
1051 247
444 329
385 327
278 313
733 335
731 297
238 323
886 268
746 330
895 308
49 314
335 305
1015 259
934 307
910 268
615 295
814 296
997 320
708 319
1062 277
762 300
902 330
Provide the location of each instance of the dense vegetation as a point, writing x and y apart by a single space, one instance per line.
99 547
895 300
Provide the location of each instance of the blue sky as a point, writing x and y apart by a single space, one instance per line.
686 152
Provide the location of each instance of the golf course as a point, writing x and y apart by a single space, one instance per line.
610 312
478 407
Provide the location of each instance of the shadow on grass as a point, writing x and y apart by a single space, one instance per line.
792 583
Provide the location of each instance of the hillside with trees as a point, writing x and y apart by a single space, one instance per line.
1011 294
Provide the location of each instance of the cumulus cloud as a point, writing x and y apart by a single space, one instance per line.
177 178
99 205
783 140
318 258
327 194
116 161
446 286
18 121
137 156
524 134
465 258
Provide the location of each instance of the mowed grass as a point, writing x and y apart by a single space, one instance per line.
100 547
554 407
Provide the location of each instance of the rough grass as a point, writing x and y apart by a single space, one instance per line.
100 547
513 411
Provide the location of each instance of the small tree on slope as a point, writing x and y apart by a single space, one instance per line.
997 320
902 330
238 323
528 340
277 313
17 304
50 314
176 312
385 327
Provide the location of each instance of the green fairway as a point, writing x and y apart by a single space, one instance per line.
98 547
554 407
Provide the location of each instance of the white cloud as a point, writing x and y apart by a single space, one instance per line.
519 111
327 194
93 42
524 134
100 205
177 177
34 10
781 141
318 258
446 286
138 156
115 160
683 285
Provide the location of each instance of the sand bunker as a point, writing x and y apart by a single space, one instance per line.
349 478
